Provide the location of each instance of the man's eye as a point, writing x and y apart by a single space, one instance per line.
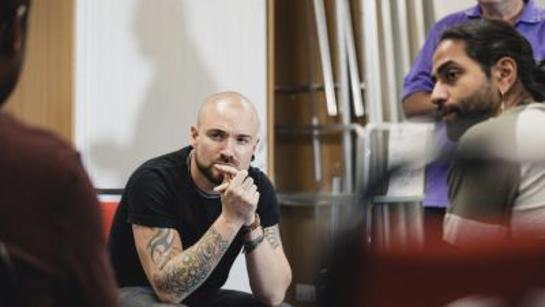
216 136
451 75
243 141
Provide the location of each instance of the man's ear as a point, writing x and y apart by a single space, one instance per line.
194 134
14 35
504 73
255 145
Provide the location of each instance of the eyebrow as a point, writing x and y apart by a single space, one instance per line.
216 130
246 136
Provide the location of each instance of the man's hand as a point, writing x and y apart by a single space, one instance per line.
419 104
239 195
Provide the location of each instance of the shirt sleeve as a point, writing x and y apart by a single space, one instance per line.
267 207
149 200
419 77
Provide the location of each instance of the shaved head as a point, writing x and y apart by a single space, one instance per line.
226 132
228 101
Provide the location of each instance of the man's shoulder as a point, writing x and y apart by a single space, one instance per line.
536 13
490 135
529 132
502 136
259 176
159 174
529 114
32 146
171 161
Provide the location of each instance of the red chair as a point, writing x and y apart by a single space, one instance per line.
438 276
107 210
510 272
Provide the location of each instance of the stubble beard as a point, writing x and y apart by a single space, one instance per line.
208 172
475 108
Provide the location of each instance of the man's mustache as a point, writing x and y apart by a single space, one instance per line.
230 161
443 110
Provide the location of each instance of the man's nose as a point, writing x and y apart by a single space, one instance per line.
228 148
439 95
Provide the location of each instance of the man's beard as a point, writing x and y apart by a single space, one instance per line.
457 129
208 172
473 109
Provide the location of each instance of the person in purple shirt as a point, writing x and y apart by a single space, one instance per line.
526 17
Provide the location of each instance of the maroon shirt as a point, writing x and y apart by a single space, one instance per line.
50 222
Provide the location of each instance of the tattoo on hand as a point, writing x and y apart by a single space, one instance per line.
194 266
272 234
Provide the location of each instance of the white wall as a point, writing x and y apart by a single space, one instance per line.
445 7
144 66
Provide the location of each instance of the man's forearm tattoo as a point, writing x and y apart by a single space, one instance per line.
272 234
161 247
183 275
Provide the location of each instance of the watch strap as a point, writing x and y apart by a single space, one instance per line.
249 246
253 226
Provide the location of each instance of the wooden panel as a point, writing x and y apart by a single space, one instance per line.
43 96
306 239
305 230
270 88
297 64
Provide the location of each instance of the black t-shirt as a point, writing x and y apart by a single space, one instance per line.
161 193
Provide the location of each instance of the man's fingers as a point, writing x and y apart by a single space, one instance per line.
256 198
239 178
227 169
248 182
222 187
249 194
236 176
232 177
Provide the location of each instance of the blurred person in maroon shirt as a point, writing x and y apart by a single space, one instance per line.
53 253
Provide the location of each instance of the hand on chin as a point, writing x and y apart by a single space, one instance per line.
226 172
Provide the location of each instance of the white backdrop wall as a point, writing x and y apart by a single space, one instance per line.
144 66
444 7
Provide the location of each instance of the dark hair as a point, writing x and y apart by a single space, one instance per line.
488 40
7 7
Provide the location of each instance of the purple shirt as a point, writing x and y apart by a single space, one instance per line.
531 24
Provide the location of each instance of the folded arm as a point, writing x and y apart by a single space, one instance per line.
268 268
175 273
419 104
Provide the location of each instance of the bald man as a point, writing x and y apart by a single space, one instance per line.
185 216
49 216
